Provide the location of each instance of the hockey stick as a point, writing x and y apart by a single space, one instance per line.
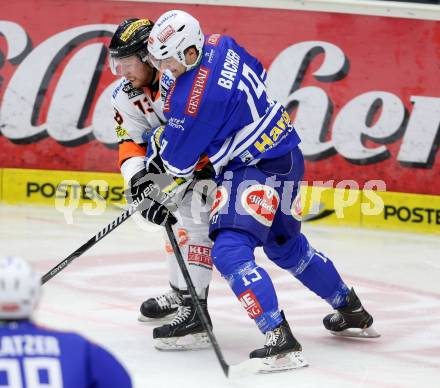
98 236
246 367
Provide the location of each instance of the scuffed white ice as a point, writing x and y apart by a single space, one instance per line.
397 276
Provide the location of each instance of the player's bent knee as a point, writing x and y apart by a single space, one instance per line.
294 255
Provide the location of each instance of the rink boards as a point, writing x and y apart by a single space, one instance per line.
321 203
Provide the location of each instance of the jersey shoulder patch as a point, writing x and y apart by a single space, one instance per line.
118 88
213 39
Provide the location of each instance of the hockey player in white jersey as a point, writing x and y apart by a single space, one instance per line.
138 103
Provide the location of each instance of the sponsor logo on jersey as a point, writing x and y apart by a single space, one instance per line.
196 94
296 209
133 27
166 33
166 80
210 55
246 156
250 302
131 91
176 123
117 89
183 238
121 133
158 134
279 131
261 202
166 105
221 198
213 39
199 255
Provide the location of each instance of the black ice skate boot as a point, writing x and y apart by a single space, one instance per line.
281 352
161 307
185 332
351 320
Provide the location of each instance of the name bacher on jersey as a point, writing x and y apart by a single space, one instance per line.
226 112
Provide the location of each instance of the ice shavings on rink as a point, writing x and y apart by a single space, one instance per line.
99 295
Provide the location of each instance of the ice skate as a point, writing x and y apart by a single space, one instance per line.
281 352
185 332
352 320
161 308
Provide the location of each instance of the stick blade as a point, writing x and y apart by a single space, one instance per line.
245 368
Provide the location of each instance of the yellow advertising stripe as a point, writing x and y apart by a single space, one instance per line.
321 205
45 187
329 206
406 212
1 184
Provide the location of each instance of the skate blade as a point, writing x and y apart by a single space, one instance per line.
188 342
279 363
166 319
369 332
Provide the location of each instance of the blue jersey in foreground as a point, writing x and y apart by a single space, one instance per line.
221 109
31 356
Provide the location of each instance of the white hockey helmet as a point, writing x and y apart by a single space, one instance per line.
173 33
19 288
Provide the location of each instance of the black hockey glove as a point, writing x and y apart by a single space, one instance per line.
157 205
206 172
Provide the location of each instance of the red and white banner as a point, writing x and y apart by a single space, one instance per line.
366 103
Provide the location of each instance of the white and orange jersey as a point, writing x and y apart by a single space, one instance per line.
136 112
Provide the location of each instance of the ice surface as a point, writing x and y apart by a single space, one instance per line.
396 275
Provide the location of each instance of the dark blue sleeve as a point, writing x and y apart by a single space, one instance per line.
182 149
106 371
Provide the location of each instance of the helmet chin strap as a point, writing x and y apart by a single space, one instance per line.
153 77
144 59
196 63
153 84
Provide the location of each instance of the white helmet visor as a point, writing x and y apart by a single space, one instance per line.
169 63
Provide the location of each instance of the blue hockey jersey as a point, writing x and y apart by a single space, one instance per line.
221 109
31 356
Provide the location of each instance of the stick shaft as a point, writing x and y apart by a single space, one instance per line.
192 291
97 237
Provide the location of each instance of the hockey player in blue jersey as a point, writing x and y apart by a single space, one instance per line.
218 107
31 356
